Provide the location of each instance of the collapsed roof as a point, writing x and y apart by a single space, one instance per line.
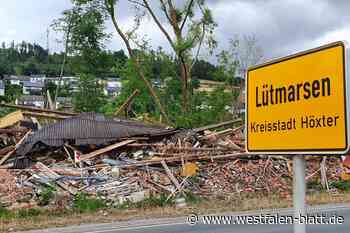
89 128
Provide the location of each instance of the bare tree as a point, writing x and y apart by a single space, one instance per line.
243 52
246 51
64 27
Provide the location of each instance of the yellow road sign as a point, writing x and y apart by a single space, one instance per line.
299 103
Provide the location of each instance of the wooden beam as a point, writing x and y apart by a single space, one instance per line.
105 149
53 175
170 175
178 159
127 102
12 131
5 150
46 115
214 126
33 109
13 150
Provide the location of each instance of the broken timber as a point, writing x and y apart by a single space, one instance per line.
127 102
179 158
214 126
170 175
14 149
33 109
105 149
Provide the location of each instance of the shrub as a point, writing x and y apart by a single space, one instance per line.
46 196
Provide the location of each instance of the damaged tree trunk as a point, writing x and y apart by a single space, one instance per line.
135 61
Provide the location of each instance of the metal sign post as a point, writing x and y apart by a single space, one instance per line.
299 191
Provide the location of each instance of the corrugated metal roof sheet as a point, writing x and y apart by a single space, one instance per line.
89 128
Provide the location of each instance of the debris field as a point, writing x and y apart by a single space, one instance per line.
128 161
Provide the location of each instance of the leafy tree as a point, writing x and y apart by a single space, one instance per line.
191 26
107 7
89 97
84 26
233 63
12 92
203 70
208 107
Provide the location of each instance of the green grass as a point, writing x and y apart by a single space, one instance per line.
192 198
28 213
5 213
20 214
341 185
82 203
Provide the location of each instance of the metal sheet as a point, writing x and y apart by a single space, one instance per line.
89 128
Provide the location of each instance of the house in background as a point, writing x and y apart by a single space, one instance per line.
64 103
32 88
55 80
2 88
112 87
32 100
37 78
17 79
40 101
71 82
210 86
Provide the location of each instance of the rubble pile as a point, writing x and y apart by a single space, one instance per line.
122 160
246 176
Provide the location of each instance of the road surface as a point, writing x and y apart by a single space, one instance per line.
175 225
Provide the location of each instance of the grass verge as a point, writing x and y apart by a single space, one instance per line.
37 218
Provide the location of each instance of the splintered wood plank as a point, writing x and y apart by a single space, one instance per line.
171 176
105 149
16 146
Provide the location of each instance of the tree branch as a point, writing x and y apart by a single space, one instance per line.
165 10
110 8
173 19
186 16
69 27
199 47
137 3
135 61
159 24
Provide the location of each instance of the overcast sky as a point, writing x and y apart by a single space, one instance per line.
281 27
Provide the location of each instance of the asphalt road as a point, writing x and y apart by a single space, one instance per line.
180 225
